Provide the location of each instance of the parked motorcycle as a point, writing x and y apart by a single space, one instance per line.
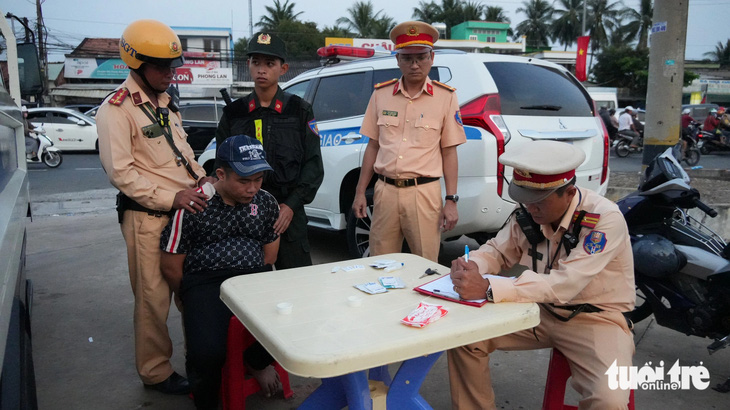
708 142
47 153
681 267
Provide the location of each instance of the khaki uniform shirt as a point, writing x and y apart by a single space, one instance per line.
411 130
143 168
599 270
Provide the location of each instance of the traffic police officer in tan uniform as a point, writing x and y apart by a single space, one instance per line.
414 126
145 154
577 246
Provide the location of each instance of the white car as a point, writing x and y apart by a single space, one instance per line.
69 129
505 101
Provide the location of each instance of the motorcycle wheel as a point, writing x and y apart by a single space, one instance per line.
703 147
642 310
52 159
622 149
692 156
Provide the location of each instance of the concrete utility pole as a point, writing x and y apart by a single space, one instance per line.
42 52
666 77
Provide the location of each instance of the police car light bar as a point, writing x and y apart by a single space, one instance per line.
345 51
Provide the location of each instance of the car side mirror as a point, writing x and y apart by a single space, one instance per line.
82 123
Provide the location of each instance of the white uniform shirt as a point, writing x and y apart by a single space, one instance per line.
625 121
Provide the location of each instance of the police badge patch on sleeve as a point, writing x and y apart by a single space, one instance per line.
594 242
313 126
457 117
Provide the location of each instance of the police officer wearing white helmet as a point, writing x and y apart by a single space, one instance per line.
144 151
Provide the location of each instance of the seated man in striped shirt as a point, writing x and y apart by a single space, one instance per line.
233 236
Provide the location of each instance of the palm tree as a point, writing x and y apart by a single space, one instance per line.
567 25
382 26
451 14
427 12
497 14
721 54
472 10
362 19
639 22
602 19
277 14
536 27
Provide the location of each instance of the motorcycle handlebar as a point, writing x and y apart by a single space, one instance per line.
705 208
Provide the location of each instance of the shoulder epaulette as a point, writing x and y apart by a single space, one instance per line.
119 97
589 220
448 87
384 83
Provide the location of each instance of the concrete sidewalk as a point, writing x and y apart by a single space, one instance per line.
82 332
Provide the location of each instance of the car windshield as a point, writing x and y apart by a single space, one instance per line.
528 89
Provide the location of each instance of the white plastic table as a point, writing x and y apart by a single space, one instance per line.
325 337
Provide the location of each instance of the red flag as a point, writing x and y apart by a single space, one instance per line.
580 59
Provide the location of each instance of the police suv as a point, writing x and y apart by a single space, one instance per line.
505 101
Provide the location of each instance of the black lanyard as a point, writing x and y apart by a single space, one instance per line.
162 117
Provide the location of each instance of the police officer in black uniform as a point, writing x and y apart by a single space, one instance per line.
285 125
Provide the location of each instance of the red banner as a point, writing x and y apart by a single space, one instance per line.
580 59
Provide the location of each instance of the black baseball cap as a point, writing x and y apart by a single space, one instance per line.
266 44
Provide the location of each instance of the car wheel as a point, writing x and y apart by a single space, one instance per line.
52 158
692 156
622 149
358 230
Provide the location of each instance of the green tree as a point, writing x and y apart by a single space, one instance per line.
239 48
639 22
602 17
277 14
566 27
536 27
451 14
497 14
721 54
627 67
302 39
427 12
362 18
472 11
335 31
382 26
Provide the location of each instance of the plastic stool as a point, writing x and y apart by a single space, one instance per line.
557 378
235 387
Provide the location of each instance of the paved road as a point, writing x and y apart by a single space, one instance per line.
82 172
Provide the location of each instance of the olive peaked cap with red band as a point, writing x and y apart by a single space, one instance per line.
540 168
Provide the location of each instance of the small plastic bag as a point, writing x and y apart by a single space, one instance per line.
424 314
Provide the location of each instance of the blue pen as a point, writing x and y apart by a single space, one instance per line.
466 253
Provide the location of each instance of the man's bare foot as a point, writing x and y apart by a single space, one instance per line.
268 379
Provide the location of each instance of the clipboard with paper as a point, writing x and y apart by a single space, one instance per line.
443 288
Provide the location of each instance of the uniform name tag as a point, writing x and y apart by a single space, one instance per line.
152 131
390 113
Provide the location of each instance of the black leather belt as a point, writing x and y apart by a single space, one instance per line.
402 183
586 307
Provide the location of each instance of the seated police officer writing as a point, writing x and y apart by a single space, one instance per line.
233 235
581 272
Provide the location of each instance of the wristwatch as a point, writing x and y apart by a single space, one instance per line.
490 296
454 198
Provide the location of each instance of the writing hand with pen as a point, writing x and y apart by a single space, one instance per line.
468 283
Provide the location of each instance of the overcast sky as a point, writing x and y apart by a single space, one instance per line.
69 21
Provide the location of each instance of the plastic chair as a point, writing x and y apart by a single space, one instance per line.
557 378
235 387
